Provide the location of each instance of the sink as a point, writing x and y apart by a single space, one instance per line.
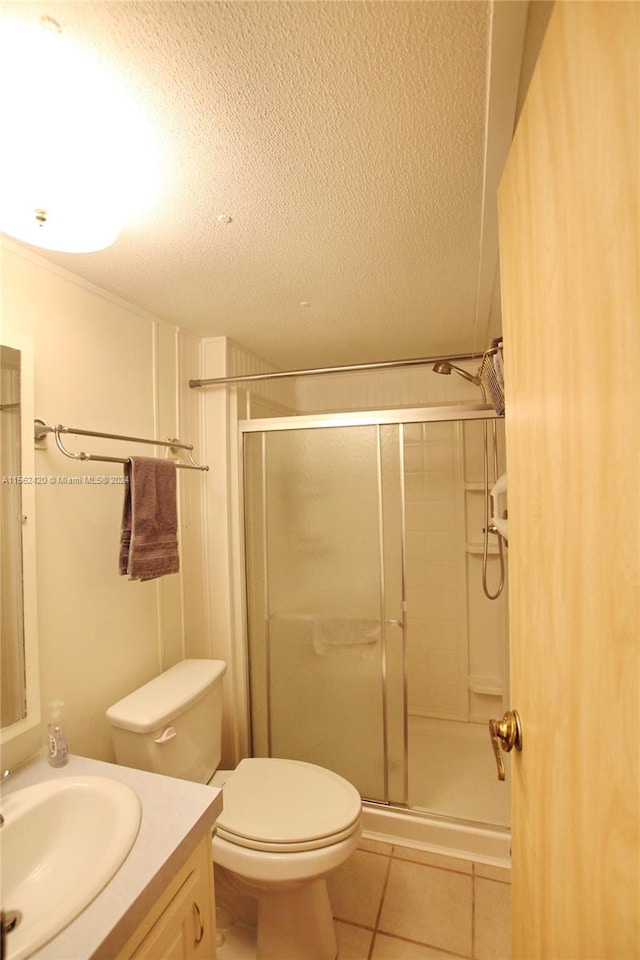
61 843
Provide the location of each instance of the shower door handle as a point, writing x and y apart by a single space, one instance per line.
505 734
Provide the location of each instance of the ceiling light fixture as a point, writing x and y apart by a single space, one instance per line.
78 160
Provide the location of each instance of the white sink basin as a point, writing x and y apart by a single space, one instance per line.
61 843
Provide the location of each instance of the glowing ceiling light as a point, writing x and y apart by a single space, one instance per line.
78 159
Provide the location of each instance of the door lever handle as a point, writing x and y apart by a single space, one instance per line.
505 734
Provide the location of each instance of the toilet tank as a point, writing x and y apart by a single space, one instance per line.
172 725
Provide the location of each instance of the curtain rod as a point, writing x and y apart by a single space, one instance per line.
317 371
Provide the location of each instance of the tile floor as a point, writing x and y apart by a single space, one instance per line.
397 903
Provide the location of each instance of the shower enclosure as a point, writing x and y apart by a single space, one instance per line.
372 648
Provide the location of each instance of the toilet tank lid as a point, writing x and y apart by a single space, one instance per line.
165 697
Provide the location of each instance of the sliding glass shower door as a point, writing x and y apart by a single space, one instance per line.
373 650
324 543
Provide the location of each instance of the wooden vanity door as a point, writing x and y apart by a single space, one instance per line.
181 925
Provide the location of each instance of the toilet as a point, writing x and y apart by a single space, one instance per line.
285 824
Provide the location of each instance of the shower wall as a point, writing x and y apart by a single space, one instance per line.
457 639
487 620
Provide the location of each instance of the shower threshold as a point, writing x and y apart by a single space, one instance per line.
446 836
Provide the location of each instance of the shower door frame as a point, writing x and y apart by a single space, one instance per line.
397 416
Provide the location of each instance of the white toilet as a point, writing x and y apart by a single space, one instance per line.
285 824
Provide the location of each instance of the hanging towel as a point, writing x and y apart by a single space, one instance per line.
331 632
148 544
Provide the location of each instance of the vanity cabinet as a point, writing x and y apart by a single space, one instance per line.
181 924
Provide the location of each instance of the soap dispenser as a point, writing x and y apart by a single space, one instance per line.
57 746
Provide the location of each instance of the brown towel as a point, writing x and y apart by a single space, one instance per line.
148 544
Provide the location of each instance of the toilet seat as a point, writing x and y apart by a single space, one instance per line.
287 806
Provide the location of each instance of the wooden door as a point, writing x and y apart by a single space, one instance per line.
568 205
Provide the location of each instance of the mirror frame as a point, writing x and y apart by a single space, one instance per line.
29 594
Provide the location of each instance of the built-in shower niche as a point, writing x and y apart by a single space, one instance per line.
373 650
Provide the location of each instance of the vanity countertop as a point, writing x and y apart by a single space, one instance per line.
175 816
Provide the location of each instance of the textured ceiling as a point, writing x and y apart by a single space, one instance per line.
350 143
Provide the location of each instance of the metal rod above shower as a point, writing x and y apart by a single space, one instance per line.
318 371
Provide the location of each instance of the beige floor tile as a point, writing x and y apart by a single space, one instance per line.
355 888
354 943
492 920
430 905
391 948
239 943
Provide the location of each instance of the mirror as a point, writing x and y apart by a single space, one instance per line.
13 691
20 693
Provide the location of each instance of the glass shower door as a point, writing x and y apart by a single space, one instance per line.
324 550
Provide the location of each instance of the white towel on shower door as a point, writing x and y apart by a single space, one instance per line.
331 632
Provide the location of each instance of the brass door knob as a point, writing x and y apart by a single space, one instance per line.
505 734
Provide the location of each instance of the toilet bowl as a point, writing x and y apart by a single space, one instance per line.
285 824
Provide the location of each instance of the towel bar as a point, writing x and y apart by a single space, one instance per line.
41 429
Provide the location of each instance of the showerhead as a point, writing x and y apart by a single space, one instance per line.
443 366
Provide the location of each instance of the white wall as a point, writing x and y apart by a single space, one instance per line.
379 389
101 365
